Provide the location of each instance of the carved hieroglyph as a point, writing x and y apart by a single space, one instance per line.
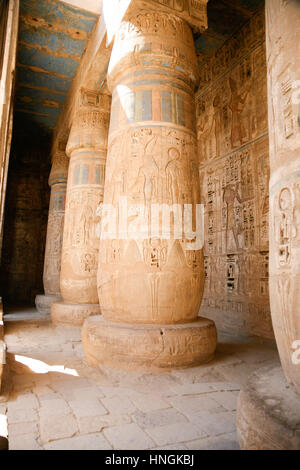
283 38
151 160
52 262
192 11
87 148
233 149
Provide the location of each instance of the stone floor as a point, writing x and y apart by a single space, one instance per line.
59 402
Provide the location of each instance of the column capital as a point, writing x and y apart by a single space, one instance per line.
60 164
91 121
194 12
156 40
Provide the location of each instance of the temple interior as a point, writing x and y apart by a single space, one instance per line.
116 333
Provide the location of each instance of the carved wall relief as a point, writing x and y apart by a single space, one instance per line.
232 132
26 214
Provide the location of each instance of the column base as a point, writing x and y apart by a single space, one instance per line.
72 314
43 303
148 347
268 415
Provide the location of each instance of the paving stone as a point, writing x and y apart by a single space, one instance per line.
190 405
122 405
225 386
24 442
128 437
225 442
171 447
42 391
237 373
158 418
214 423
88 442
193 389
87 408
21 382
227 399
120 391
92 424
19 429
149 403
57 427
173 433
24 401
87 393
55 407
142 414
21 416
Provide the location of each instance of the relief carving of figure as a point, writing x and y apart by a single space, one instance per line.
155 252
173 172
236 105
148 172
231 194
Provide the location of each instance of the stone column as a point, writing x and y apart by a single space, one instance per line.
269 406
87 147
150 288
58 184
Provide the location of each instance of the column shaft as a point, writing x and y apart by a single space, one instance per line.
145 280
52 262
87 148
283 39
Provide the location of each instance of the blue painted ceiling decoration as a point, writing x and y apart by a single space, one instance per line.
52 39
53 36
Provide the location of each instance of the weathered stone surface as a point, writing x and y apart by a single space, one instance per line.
233 154
193 12
86 147
89 442
283 37
87 408
191 405
146 279
268 415
26 213
9 25
56 426
225 442
60 401
43 303
72 314
150 346
52 262
24 442
176 432
157 418
128 437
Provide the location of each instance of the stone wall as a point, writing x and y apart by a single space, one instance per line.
232 131
9 19
25 221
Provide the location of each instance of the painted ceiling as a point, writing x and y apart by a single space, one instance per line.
52 39
53 36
